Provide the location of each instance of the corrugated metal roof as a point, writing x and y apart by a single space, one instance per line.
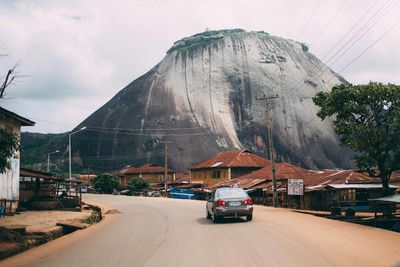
282 171
35 174
355 186
148 168
233 159
22 120
242 183
313 180
321 180
389 199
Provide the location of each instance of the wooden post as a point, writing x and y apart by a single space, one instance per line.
268 109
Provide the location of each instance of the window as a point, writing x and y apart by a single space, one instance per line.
216 174
231 193
161 178
168 177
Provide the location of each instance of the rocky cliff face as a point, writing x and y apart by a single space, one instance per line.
202 98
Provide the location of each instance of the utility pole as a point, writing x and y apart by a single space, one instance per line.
165 164
268 109
48 159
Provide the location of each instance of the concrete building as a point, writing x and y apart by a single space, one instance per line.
9 180
150 172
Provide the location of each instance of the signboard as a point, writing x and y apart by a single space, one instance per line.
295 187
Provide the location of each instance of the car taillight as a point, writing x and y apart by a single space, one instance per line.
219 202
248 201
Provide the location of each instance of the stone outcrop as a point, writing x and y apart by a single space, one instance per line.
202 98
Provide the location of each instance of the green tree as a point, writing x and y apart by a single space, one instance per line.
138 184
367 119
105 183
9 144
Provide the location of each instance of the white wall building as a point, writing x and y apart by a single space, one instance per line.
9 180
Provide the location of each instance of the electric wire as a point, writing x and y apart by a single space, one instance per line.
370 46
309 19
369 25
350 30
329 22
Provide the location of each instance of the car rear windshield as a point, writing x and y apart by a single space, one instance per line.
231 193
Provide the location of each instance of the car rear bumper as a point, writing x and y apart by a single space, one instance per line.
229 212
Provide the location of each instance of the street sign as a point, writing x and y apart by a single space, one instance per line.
295 187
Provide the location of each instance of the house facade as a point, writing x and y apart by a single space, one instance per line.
150 172
226 166
9 180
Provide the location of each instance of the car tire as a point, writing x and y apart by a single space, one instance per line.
216 219
249 217
208 215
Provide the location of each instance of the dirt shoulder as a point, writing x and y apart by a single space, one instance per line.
63 241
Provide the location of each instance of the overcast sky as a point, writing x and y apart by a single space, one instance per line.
76 55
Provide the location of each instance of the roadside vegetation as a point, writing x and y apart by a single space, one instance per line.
105 183
367 119
138 184
9 144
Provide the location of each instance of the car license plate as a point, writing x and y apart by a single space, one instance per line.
234 203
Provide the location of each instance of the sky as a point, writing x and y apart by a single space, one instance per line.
74 56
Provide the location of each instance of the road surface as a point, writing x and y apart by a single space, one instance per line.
167 232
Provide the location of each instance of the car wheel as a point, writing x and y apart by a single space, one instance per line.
208 215
215 219
249 217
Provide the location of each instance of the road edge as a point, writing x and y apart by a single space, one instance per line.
25 258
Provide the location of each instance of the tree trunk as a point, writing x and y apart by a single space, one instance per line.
385 186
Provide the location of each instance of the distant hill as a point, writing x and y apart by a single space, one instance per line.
36 146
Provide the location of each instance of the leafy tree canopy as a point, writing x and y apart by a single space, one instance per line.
9 144
138 184
105 183
367 119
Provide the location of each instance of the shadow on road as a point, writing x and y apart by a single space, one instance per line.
223 221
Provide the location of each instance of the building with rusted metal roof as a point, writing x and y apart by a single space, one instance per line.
9 180
322 189
152 173
226 166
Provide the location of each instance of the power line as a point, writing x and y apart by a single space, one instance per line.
146 129
369 24
370 46
329 22
350 30
309 20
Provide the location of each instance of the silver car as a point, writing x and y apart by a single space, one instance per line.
229 202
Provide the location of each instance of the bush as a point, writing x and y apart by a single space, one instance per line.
105 183
138 184
304 47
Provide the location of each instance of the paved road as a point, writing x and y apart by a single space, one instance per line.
166 232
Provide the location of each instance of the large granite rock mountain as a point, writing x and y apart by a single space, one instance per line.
202 98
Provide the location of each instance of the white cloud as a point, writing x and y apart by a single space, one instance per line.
78 54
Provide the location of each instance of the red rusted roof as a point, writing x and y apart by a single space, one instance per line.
339 177
148 168
182 177
282 171
258 178
125 170
234 158
242 183
313 180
